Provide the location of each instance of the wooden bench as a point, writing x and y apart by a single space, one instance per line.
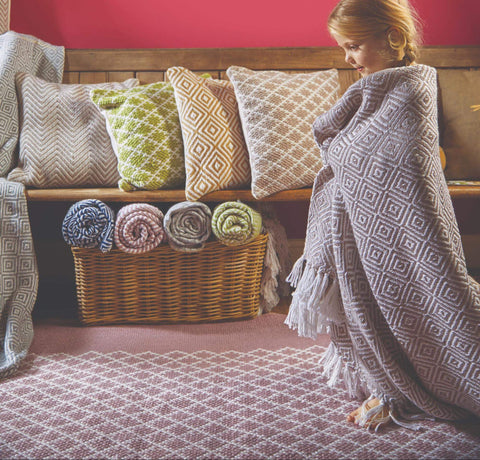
150 65
47 207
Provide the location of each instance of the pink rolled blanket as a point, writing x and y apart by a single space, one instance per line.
139 228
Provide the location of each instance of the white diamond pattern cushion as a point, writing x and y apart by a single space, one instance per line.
277 110
63 137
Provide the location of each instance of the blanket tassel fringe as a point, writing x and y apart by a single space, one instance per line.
316 301
338 373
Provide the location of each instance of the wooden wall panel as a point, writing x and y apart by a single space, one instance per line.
347 77
93 77
150 77
119 76
71 77
202 59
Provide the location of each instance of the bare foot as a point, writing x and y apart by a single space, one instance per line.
353 415
381 418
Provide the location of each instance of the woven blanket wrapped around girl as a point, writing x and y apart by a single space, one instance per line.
383 269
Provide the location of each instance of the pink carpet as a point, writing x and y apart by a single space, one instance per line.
246 390
265 331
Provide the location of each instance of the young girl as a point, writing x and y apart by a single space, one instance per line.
383 269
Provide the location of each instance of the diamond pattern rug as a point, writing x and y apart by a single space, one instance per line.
250 404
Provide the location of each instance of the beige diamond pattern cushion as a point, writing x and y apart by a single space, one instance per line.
216 157
63 137
277 110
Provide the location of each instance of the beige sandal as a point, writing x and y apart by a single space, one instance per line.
373 416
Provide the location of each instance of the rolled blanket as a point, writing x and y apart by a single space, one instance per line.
188 226
235 223
139 228
89 224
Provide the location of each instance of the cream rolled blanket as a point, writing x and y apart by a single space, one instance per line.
235 223
139 228
383 269
89 224
188 226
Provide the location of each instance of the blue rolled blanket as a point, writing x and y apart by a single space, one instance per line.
89 224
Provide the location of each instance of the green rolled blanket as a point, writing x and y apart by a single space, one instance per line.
235 223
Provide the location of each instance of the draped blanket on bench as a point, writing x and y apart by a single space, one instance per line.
18 278
18 268
383 269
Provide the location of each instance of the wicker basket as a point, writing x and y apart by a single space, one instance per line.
218 283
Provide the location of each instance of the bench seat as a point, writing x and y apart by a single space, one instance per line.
173 196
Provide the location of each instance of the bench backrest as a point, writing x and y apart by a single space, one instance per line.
149 65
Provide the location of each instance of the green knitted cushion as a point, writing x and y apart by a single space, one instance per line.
144 127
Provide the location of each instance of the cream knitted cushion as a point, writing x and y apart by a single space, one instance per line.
63 140
145 130
216 156
277 110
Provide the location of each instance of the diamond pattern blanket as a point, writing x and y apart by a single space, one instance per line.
383 269
18 268
18 277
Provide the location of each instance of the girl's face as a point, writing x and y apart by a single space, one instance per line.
368 56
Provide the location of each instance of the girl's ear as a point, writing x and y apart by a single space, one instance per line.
394 36
397 42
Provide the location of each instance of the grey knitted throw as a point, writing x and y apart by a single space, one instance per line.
383 270
18 277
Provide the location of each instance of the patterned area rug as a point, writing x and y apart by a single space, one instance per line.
257 403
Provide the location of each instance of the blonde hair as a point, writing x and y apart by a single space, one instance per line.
394 20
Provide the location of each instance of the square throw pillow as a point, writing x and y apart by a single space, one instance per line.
21 53
277 110
63 139
216 156
146 136
461 125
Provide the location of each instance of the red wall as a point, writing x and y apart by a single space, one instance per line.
216 23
